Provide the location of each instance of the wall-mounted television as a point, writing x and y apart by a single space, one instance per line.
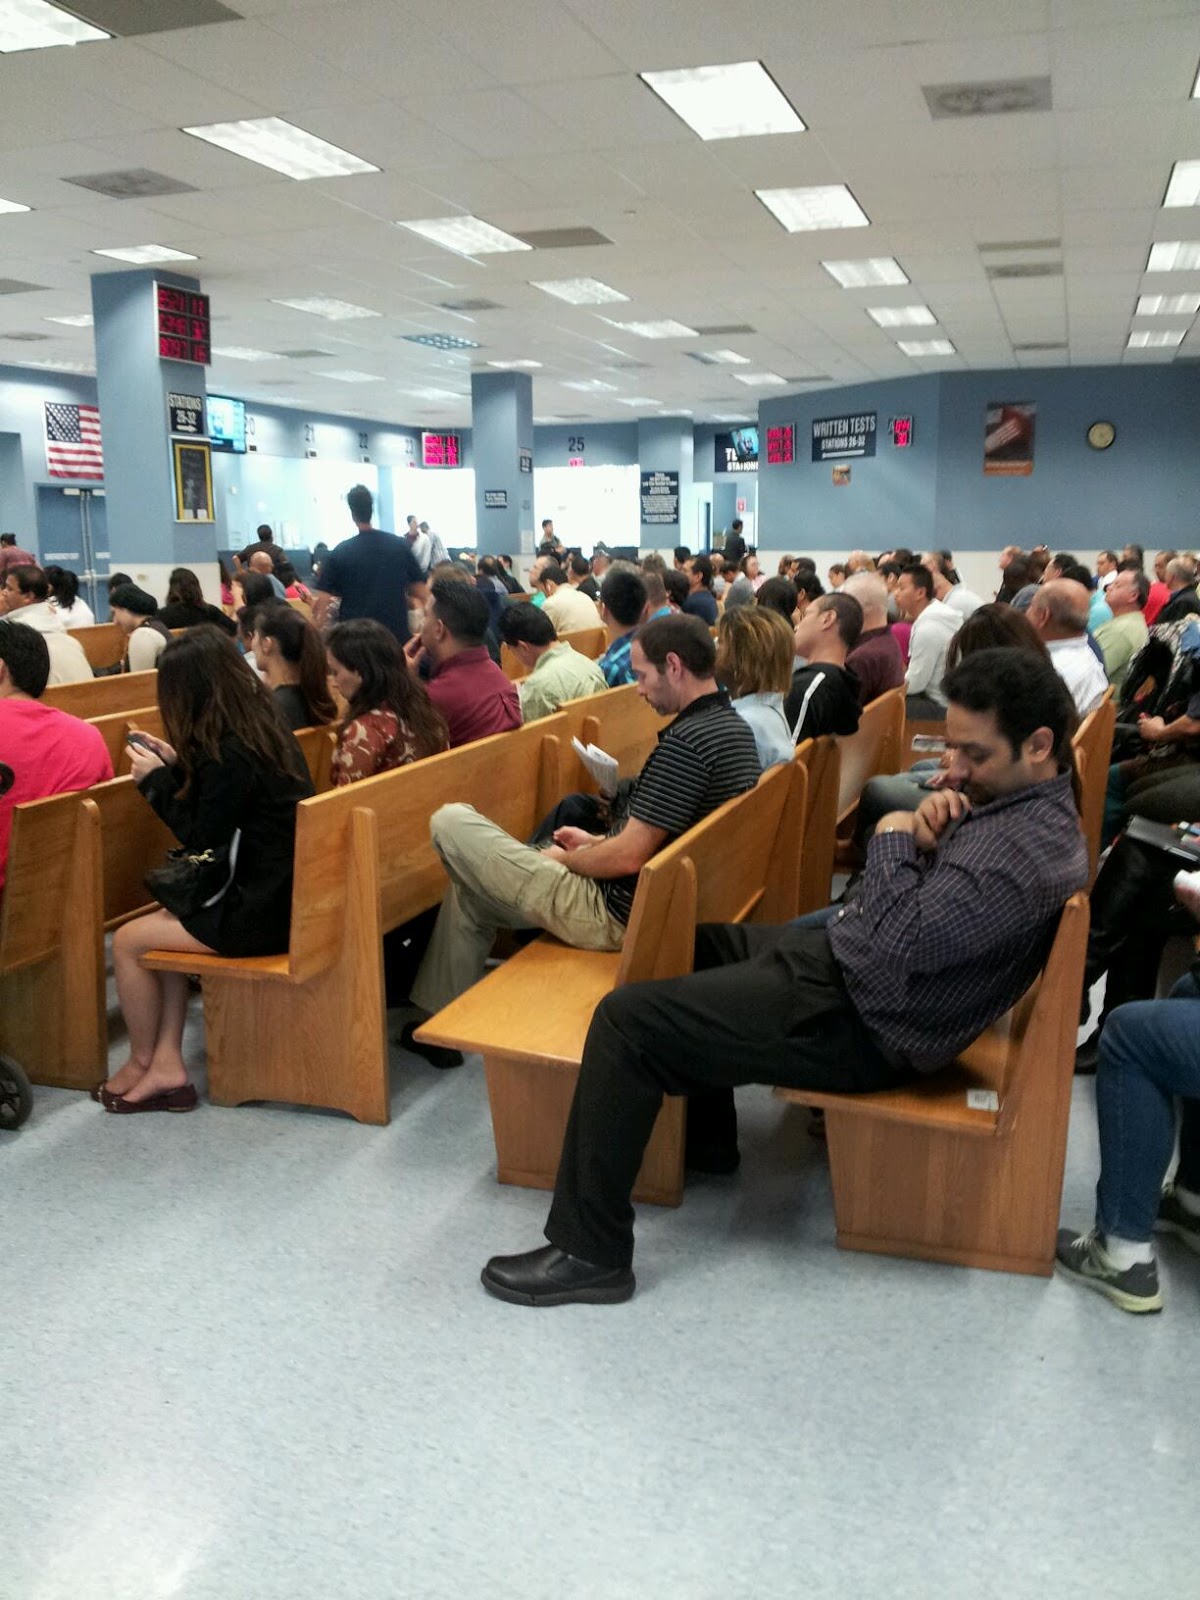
226 424
736 451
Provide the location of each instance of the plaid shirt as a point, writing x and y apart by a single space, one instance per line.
615 663
937 946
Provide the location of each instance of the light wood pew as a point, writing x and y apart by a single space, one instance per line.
98 697
116 725
923 731
103 643
873 750
52 1016
133 840
532 1046
822 758
513 668
318 745
590 642
926 1172
1093 751
618 721
308 1026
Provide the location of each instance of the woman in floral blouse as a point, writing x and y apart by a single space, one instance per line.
390 719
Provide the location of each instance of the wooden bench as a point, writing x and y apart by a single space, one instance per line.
873 750
590 642
912 752
308 1026
317 746
103 643
618 721
99 697
532 1045
115 727
966 1165
1093 751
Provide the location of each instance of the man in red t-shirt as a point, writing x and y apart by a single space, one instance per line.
46 751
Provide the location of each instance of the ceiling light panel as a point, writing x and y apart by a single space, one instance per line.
1174 255
272 142
34 25
719 358
1184 187
761 380
467 236
663 329
902 316
144 255
591 386
869 273
441 341
244 352
737 101
1167 305
82 319
1155 339
828 205
581 291
925 347
513 366
434 394
726 416
637 400
7 206
351 375
319 305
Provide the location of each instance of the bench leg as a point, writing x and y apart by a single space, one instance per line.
936 1196
53 1021
530 1103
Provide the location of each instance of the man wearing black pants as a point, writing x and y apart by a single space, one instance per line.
956 912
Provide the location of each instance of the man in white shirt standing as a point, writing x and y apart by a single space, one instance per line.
420 545
1059 612
934 625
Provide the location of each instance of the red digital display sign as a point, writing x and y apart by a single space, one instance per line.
902 432
781 445
440 450
184 325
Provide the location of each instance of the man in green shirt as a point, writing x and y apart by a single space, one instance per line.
557 671
1125 635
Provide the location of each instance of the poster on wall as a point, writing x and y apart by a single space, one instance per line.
1008 439
193 482
834 438
736 451
660 498
841 477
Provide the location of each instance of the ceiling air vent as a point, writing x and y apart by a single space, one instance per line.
812 377
1036 345
470 305
630 366
126 18
306 355
987 99
1019 244
25 338
139 183
17 286
1027 269
562 238
721 330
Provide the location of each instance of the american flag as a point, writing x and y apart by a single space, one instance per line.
73 441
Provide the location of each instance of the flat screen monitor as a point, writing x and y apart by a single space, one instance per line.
227 424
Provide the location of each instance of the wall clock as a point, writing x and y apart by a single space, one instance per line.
1100 435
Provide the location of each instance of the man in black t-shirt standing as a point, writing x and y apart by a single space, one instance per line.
373 574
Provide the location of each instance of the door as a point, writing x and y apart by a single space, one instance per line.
73 533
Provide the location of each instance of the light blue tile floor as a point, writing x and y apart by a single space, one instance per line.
247 1357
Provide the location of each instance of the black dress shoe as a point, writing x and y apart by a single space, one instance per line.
1087 1056
435 1054
550 1277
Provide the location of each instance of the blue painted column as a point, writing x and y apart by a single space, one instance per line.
144 538
501 445
665 452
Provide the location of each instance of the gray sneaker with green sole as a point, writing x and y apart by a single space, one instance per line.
1084 1258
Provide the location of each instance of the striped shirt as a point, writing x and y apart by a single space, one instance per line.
705 757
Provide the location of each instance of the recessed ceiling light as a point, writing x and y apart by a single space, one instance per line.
34 25
925 347
441 341
467 236
244 352
761 380
826 205
637 400
725 416
81 319
736 101
351 375
902 316
663 329
434 394
280 145
867 273
144 255
581 291
515 365
1155 339
591 386
319 305
1184 187
7 206
719 358
1167 305
1174 255
60 366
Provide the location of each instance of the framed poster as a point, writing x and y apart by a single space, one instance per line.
193 481
1008 439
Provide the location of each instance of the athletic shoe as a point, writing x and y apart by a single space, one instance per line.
1173 1218
1084 1258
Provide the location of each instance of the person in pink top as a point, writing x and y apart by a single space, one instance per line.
45 750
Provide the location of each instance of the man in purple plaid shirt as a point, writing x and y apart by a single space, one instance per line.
955 916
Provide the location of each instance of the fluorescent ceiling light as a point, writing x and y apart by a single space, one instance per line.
60 366
902 316
926 347
468 236
736 101
1175 255
441 341
580 291
82 319
244 352
638 400
1184 187
144 255
34 25
514 365
663 329
434 394
1155 339
719 416
319 305
591 386
12 205
1167 305
867 273
761 380
826 205
719 358
280 145
351 375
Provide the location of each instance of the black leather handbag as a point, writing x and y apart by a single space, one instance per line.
192 881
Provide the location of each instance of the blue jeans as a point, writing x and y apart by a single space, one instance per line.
815 919
1149 1054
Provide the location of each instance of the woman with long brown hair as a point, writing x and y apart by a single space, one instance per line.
291 658
186 606
390 719
226 779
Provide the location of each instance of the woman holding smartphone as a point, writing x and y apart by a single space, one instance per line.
226 778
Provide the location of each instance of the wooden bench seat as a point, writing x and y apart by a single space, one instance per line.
99 697
103 643
923 1171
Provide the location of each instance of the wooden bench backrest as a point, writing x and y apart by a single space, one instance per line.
590 642
619 721
125 691
53 841
819 848
1093 749
512 778
513 668
113 728
318 745
875 748
132 841
920 730
103 644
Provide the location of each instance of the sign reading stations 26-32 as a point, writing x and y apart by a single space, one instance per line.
660 498
835 438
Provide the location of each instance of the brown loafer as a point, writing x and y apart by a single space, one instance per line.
182 1099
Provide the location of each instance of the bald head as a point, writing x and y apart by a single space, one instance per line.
859 561
1059 610
260 561
872 595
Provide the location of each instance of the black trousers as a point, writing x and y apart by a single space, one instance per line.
765 1005
1134 913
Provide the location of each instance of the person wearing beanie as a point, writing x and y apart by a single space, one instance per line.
135 613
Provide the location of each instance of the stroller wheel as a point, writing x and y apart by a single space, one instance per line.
16 1097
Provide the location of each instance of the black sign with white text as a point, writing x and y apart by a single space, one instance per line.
834 438
495 499
660 498
187 413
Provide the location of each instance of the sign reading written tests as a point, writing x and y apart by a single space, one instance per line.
834 438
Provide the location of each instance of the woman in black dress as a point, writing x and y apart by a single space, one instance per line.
227 767
291 658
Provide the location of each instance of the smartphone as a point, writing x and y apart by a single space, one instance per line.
139 741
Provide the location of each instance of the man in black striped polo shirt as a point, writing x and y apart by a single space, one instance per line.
581 887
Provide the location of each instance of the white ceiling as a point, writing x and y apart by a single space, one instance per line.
532 117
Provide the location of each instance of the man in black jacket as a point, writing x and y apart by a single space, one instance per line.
824 696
